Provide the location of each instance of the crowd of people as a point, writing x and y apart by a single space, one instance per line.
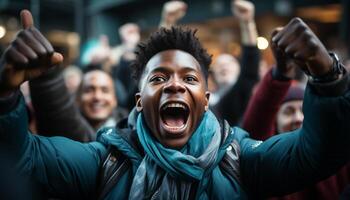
159 120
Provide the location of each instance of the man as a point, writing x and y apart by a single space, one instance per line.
58 114
177 148
235 80
121 57
290 116
97 101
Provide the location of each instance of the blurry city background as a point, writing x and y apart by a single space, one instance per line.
73 26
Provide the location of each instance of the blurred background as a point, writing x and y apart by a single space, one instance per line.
74 26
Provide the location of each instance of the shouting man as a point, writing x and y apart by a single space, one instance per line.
174 147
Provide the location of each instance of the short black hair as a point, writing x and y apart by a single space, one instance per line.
166 39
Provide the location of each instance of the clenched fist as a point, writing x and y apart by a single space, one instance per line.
172 12
243 10
28 56
299 44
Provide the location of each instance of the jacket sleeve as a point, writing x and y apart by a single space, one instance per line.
260 116
55 109
61 167
289 161
232 105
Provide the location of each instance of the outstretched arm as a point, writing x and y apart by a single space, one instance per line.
61 167
287 162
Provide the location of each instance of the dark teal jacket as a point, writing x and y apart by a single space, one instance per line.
284 163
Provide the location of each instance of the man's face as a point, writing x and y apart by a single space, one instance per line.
290 116
97 98
173 96
226 70
130 35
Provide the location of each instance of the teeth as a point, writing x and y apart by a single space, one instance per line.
97 105
174 105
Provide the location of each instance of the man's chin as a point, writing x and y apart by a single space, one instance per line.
98 118
174 143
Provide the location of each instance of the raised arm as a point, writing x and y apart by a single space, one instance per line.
172 12
238 95
244 11
61 167
55 109
287 162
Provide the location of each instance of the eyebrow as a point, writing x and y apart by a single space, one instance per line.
165 70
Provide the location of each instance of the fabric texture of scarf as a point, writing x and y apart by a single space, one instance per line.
168 173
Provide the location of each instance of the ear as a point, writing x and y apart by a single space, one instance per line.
138 102
207 95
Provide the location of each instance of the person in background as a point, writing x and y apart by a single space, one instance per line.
97 101
100 54
72 77
235 81
226 70
120 59
276 107
130 36
93 106
172 12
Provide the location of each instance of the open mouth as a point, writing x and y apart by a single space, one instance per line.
174 116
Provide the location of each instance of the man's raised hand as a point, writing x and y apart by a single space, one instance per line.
297 42
28 56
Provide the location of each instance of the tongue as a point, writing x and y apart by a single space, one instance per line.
174 121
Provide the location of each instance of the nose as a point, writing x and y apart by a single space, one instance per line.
174 85
299 116
97 95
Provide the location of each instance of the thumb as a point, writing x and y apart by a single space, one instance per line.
26 19
56 59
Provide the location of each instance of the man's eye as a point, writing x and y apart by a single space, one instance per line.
190 79
88 90
157 79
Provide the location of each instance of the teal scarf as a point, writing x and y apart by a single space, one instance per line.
170 174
